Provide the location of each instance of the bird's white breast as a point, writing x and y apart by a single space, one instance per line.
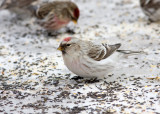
75 65
81 67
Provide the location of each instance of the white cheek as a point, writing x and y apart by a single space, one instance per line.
70 49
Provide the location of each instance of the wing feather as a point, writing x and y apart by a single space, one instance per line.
100 52
44 10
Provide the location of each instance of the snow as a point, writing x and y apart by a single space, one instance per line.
34 79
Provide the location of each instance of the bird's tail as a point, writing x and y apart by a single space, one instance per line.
123 54
130 52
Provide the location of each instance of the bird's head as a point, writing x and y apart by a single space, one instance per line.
74 12
69 46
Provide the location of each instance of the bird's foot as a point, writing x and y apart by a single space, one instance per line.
51 34
150 21
70 31
94 80
77 78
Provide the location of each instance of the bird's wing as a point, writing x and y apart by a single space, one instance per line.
44 10
100 52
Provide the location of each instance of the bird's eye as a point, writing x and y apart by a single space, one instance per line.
68 45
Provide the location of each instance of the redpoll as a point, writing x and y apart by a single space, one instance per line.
86 58
57 14
8 4
151 8
20 7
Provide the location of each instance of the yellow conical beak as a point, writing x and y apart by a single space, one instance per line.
60 48
74 21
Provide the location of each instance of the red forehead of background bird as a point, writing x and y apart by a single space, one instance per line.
76 13
67 39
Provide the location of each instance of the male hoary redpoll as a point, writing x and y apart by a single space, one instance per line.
20 7
57 14
151 8
85 58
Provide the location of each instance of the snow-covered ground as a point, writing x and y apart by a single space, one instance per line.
34 79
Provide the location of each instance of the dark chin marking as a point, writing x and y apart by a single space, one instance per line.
63 52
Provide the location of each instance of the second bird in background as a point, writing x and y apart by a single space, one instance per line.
19 7
57 14
50 15
151 8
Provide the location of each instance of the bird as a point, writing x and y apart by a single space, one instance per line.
57 14
50 15
7 4
151 8
15 5
19 7
86 58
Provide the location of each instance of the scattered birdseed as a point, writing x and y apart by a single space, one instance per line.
34 79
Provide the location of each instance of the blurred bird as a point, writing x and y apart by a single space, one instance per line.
57 14
85 58
9 4
19 7
51 15
151 8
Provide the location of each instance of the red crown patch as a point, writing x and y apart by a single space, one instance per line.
67 39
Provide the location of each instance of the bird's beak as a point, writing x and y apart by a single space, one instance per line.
74 21
60 48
